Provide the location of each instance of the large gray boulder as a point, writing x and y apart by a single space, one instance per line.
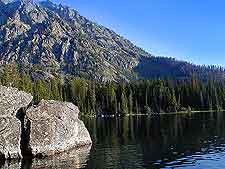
54 127
46 129
11 102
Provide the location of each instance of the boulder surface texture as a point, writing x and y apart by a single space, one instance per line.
49 128
55 128
11 102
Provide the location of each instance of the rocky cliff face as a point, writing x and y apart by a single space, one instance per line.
46 129
58 38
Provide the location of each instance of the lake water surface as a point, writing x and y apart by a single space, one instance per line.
169 141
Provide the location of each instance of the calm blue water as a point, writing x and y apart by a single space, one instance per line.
169 141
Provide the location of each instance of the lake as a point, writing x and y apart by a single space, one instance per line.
169 141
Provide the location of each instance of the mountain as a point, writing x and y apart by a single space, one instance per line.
164 67
55 38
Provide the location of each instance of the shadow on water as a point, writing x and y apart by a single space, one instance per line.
149 142
168 141
74 159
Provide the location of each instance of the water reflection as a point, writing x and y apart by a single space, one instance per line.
74 159
166 141
169 141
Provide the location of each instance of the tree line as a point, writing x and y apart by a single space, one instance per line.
111 98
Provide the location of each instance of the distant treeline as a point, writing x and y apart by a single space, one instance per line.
144 96
161 67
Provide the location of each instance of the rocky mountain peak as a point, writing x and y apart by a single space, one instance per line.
7 1
58 38
27 2
22 1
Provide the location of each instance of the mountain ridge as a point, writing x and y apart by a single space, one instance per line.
57 38
64 39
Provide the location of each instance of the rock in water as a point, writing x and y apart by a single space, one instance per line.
46 129
55 128
11 101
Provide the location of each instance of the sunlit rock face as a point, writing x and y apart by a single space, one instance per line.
11 102
7 1
49 128
58 37
55 128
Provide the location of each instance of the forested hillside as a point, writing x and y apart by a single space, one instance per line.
55 53
144 96
164 67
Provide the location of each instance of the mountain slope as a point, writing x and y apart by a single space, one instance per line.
163 67
56 38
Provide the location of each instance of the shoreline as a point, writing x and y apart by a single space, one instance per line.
153 114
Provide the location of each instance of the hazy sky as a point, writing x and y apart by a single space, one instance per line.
192 30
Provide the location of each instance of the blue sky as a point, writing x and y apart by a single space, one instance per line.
191 30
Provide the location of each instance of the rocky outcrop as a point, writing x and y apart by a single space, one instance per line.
46 129
12 101
60 38
55 128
